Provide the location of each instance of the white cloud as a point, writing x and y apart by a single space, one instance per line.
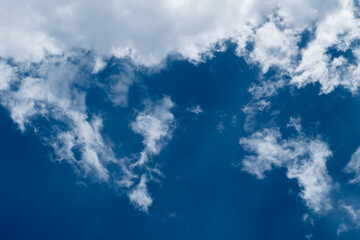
337 30
146 31
54 91
353 167
140 196
268 152
295 123
308 219
251 109
275 43
155 124
7 75
85 136
261 94
274 47
304 158
117 85
195 109
352 214
99 65
49 93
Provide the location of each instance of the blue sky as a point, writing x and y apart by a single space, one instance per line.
222 120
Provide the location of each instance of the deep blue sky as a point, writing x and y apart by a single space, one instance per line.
204 195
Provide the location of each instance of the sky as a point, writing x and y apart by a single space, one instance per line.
180 120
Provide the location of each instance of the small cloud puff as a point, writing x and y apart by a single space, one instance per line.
195 109
140 196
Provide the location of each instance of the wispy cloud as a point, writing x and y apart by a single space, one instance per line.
54 91
155 124
304 158
353 167
195 109
49 93
352 214
140 196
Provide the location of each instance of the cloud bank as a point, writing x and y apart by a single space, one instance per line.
148 32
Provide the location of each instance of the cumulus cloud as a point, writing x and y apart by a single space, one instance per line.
117 85
295 123
140 196
330 57
274 47
304 158
275 44
148 32
338 31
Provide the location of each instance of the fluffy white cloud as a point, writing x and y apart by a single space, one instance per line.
338 30
146 31
155 124
140 196
274 47
275 43
304 158
7 75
